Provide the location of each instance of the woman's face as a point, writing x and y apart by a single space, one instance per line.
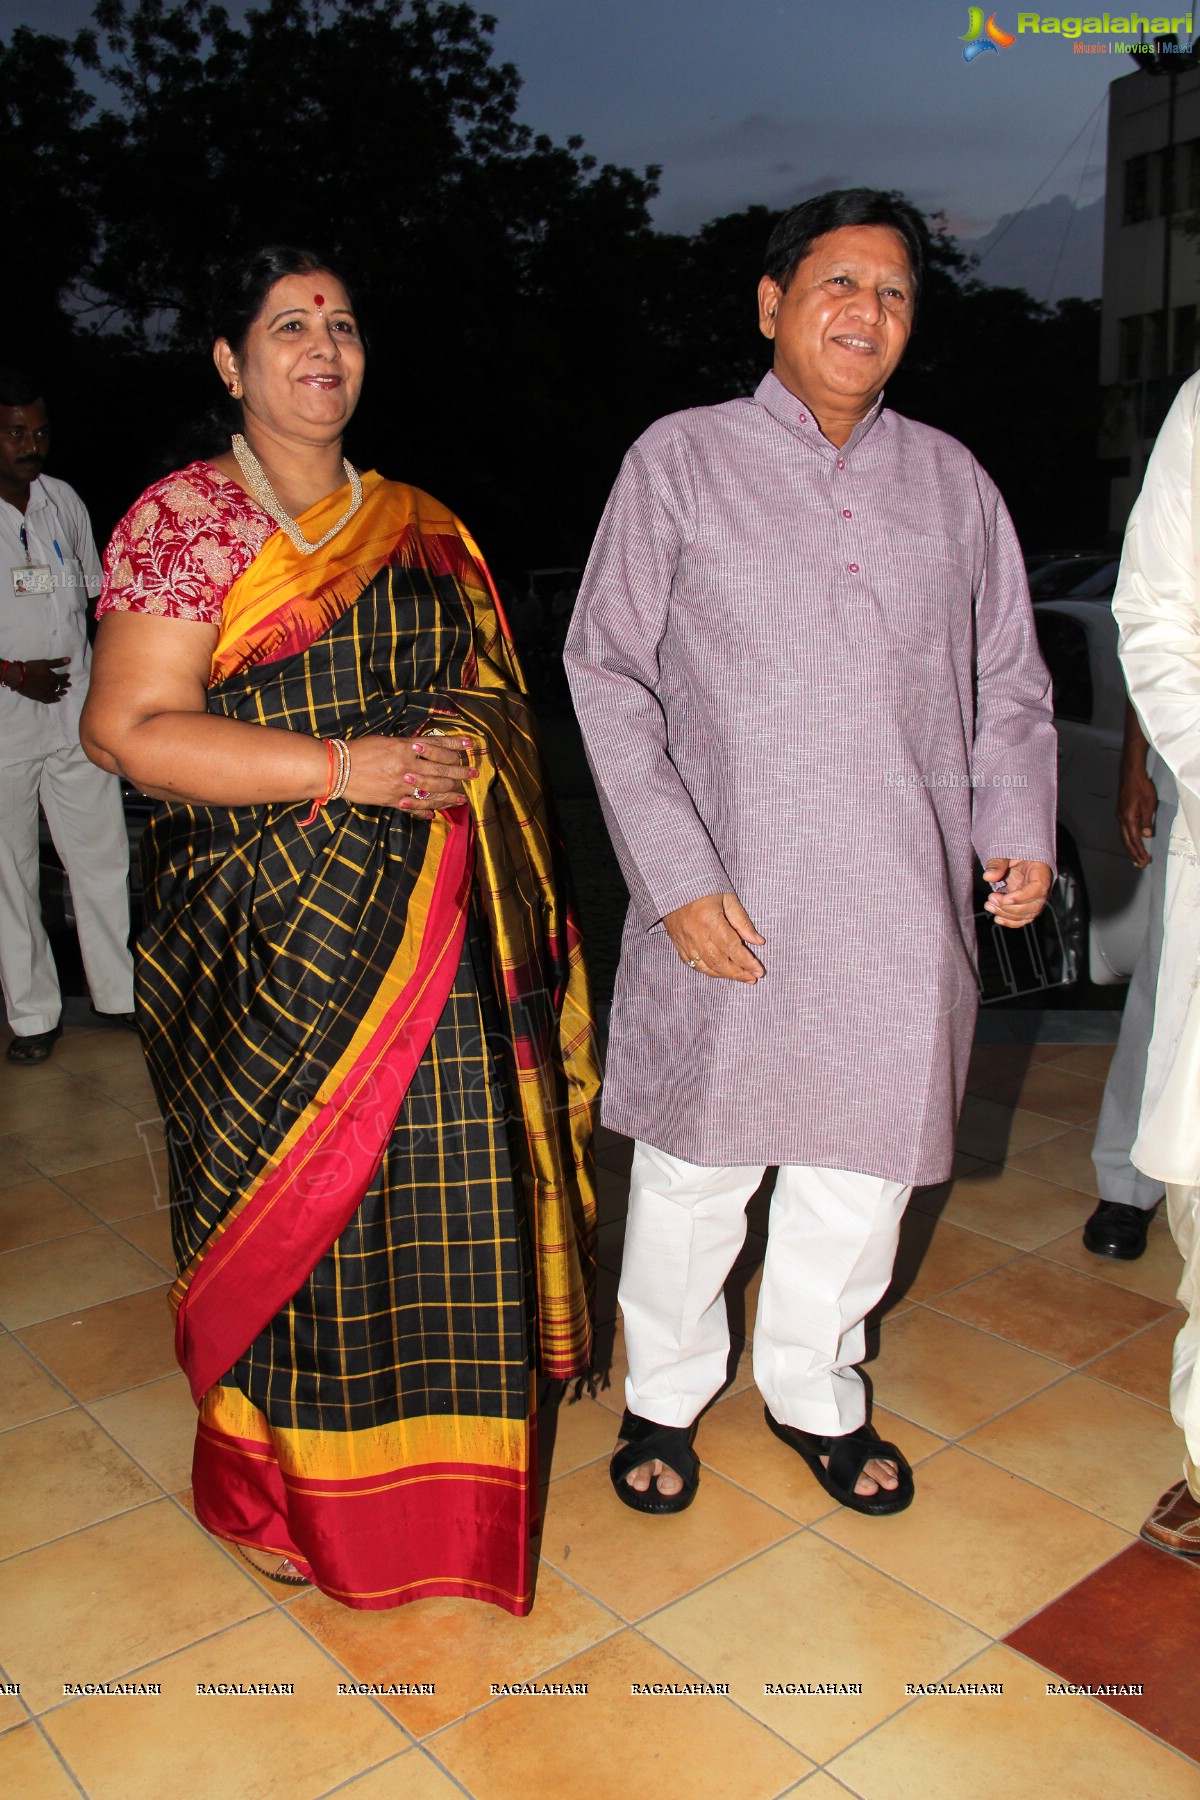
300 370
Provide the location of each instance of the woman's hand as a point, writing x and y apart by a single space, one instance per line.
422 775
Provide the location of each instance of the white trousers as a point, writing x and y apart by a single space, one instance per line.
831 1246
1183 1212
83 809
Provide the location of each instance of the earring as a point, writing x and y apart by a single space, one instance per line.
233 388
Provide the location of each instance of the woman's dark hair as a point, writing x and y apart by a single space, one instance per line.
19 387
798 230
242 292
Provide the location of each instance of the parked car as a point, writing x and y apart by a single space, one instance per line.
58 914
1102 900
1062 575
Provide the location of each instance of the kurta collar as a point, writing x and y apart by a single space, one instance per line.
784 406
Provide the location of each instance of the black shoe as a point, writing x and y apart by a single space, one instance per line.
1116 1229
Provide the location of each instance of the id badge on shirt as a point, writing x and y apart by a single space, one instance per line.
33 578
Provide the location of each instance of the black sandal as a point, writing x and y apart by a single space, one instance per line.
646 1442
848 1457
35 1048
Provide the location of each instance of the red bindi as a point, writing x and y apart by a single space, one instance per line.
318 299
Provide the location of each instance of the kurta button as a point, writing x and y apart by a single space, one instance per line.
853 568
846 513
803 418
841 464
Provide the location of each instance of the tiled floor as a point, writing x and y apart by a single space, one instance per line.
1025 1379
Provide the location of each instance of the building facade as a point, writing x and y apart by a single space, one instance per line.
1149 337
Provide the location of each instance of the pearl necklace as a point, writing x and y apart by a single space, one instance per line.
265 494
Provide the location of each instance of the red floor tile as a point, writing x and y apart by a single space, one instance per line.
1134 1621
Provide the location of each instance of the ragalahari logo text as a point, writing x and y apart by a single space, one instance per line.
979 36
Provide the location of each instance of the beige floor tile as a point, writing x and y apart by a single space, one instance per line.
105 1349
34 1211
980 1542
13 1168
129 1085
235 1746
413 1776
460 1646
1066 1159
12 1712
733 1440
119 1190
934 1256
949 1377
102 1603
81 1134
1104 1450
88 1053
564 1746
771 1622
1051 1310
61 1474
46 1280
1156 1273
994 1132
1087 1059
991 1063
26 1391
29 1107
156 1423
1005 1204
1052 1090
151 1234
1143 1365
573 1434
629 1561
1020 1742
818 1787
29 1769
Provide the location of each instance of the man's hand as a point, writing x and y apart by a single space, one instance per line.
45 680
1137 802
711 936
1026 885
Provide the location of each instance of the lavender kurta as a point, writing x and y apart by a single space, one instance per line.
808 675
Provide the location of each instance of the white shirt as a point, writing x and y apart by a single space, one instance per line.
58 532
1157 604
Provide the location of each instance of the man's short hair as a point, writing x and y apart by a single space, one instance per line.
19 387
798 230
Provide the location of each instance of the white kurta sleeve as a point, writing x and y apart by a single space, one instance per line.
1156 601
612 663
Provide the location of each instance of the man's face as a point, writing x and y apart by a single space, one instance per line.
24 443
842 325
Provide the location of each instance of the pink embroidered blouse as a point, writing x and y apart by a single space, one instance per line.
182 545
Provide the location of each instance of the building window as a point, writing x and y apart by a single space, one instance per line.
1138 199
1183 341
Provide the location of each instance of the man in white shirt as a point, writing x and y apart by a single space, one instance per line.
48 570
1157 605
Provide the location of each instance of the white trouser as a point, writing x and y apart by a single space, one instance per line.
1183 1212
83 809
830 1250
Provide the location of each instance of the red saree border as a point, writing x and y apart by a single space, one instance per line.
242 1278
379 1541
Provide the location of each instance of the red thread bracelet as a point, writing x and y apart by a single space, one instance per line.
320 800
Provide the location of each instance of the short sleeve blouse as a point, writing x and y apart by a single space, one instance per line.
182 545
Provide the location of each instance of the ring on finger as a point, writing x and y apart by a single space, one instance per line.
694 962
420 793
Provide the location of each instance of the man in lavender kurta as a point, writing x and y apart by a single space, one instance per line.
804 663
